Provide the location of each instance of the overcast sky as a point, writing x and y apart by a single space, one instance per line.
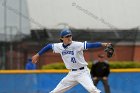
85 13
92 14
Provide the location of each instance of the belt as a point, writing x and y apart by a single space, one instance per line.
77 69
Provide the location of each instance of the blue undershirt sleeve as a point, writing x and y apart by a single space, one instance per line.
93 45
45 49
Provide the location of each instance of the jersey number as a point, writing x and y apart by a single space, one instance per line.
73 59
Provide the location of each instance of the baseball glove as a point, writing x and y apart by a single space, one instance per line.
109 50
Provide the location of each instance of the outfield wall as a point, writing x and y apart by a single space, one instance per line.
43 81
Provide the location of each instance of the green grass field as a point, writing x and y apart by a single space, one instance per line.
113 65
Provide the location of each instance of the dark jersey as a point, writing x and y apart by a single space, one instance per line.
100 69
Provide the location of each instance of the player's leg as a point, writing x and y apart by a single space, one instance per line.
95 81
65 84
106 86
85 80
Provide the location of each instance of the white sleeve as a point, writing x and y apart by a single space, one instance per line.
81 46
85 45
56 48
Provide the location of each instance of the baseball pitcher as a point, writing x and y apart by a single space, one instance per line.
72 55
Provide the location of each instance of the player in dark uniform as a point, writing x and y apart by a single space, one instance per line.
100 71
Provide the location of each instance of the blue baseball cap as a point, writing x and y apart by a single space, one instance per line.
65 32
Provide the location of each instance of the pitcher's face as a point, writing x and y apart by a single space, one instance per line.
67 39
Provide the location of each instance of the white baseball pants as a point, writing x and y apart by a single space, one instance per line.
73 78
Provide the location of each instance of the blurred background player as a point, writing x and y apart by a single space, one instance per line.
100 71
72 55
30 65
